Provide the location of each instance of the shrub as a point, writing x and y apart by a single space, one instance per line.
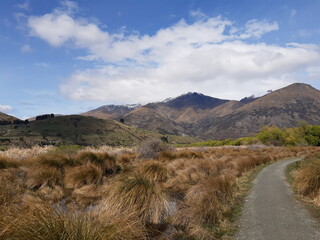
312 135
272 136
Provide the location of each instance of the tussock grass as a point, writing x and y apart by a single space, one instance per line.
55 159
107 193
83 175
153 170
307 179
171 155
104 160
44 176
11 186
44 222
6 162
152 148
25 153
137 194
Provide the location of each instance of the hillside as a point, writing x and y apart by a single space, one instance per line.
111 111
286 107
5 117
76 129
197 115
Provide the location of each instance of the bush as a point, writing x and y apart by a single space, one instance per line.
272 136
312 135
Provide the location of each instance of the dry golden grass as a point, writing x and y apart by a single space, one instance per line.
107 193
307 179
42 177
6 162
153 170
134 193
24 153
44 222
79 176
104 160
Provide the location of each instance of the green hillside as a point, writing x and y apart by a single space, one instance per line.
81 130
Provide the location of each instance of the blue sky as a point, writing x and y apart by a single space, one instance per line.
72 56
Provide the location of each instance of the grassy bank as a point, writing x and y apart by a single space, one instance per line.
304 177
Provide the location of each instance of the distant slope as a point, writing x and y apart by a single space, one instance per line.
197 115
175 116
5 117
111 111
76 129
286 107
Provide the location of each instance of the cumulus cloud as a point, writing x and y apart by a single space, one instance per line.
209 54
5 108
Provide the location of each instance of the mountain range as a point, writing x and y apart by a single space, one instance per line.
205 117
189 117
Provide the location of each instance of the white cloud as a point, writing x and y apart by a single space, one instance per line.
255 28
26 48
24 6
5 108
210 55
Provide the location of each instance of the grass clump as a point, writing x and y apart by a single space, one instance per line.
154 171
152 148
137 194
6 162
44 176
306 179
104 160
83 175
44 222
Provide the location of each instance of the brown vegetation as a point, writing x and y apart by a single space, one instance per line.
307 180
119 194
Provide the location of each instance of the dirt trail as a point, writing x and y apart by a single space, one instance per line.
272 212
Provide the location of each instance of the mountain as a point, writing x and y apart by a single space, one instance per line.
5 117
197 115
175 115
286 107
81 130
111 111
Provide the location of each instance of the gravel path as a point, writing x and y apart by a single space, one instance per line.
271 211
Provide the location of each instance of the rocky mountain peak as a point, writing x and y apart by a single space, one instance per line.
194 100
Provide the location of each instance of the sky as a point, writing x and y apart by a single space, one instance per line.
68 57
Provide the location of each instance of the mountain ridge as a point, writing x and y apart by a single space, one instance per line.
197 115
200 116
